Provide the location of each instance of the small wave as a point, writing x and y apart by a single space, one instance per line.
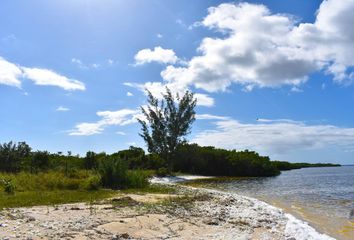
301 230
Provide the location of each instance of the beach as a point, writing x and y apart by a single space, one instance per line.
190 213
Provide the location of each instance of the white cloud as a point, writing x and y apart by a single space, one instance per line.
9 73
262 49
129 94
159 35
274 136
108 118
47 77
157 89
121 133
62 109
158 54
121 117
210 117
204 100
87 129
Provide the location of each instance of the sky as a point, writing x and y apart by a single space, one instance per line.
271 76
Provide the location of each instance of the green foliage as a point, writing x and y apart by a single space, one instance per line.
137 179
8 186
162 172
191 158
284 166
91 160
154 161
114 174
92 183
12 155
167 122
50 181
134 157
33 198
40 160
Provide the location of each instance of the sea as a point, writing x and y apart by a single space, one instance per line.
323 197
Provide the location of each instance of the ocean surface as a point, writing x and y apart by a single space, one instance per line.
323 197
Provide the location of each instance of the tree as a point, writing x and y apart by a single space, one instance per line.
166 122
40 160
90 160
12 154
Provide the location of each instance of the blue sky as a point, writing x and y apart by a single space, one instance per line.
271 76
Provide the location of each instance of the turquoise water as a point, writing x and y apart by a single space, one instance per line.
324 197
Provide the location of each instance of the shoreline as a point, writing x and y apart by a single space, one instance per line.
296 227
195 213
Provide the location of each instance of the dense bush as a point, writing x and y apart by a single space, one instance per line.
67 171
12 155
192 158
114 174
284 166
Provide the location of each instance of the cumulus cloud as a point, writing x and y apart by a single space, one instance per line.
107 118
47 77
158 54
263 49
11 74
62 109
273 136
158 88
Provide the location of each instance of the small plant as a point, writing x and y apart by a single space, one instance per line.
9 188
92 183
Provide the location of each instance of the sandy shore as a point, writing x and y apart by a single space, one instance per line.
189 214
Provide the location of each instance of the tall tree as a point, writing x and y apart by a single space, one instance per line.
12 154
91 160
167 122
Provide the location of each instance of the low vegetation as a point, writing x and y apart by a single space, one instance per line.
35 198
284 166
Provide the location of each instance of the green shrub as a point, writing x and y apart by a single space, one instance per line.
114 174
53 180
8 186
137 179
92 183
